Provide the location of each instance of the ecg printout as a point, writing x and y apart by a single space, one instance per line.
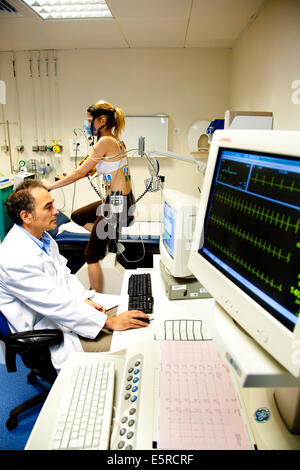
183 330
185 326
199 407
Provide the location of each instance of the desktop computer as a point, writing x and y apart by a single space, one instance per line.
246 253
179 212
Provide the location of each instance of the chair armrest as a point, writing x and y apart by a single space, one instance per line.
29 341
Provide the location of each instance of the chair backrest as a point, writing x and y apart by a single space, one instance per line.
4 328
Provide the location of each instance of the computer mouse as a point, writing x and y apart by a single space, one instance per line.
145 320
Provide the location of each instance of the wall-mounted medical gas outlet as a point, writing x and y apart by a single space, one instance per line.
55 147
78 147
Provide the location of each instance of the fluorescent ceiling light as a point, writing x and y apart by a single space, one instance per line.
69 9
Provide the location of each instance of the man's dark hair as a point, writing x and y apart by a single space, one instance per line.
21 199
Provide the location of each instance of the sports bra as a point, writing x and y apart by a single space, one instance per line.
105 166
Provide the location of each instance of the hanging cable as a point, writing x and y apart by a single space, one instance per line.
56 97
4 128
41 101
49 104
153 169
34 102
18 102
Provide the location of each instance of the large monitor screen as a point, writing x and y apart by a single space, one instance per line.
252 228
246 243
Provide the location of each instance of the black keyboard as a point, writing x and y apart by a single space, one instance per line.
140 293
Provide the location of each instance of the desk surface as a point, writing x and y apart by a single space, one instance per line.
172 371
274 434
162 307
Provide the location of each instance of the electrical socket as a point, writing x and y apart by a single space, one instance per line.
78 147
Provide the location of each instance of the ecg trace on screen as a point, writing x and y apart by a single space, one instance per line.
254 224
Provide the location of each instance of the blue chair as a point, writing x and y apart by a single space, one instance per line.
33 347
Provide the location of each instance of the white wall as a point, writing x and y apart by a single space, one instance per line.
186 84
266 65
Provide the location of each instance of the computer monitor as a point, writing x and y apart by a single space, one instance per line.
246 245
179 212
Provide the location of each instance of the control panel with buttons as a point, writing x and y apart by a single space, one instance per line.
127 426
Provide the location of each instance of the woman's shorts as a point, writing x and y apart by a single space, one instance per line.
108 219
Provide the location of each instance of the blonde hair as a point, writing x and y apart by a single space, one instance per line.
116 117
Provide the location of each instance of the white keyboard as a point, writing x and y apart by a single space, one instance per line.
85 416
184 330
80 414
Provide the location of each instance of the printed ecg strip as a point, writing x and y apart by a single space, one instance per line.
183 330
198 405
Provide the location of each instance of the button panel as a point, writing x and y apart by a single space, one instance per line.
127 427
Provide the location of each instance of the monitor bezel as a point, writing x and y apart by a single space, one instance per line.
267 331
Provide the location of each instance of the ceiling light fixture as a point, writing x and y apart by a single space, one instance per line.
69 9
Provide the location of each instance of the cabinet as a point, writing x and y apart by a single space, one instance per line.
5 220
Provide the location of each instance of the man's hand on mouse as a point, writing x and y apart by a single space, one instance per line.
127 320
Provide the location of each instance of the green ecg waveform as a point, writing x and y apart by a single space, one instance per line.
259 212
260 275
272 183
228 171
252 239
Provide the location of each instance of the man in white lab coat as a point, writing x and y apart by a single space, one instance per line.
37 289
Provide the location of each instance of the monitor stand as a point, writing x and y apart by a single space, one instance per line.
182 288
265 418
270 394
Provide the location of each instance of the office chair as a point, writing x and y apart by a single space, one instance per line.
33 347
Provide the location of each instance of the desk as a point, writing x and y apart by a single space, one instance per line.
181 404
269 435
196 405
162 306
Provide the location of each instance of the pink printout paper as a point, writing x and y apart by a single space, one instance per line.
199 407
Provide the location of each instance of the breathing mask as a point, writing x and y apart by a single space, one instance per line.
87 127
97 113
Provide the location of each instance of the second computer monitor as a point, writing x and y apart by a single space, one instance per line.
179 212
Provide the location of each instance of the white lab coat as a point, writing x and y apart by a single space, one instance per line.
38 291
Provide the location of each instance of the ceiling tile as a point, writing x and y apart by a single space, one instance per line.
218 23
135 24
